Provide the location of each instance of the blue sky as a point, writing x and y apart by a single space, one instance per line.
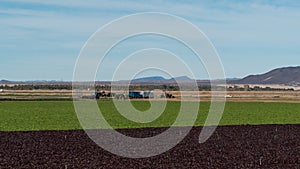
41 40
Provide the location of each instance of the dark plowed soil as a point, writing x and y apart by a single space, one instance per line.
264 146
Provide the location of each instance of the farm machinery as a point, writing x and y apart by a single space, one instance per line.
131 95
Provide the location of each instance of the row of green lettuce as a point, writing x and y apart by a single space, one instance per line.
60 115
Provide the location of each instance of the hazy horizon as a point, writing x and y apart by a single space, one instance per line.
142 77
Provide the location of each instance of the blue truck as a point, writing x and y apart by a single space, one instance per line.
141 94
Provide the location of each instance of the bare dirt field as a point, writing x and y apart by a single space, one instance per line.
262 146
243 96
235 96
35 94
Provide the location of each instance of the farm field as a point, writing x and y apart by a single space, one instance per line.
60 115
247 146
47 134
235 96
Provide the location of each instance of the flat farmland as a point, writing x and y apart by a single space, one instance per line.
232 96
36 95
60 115
47 134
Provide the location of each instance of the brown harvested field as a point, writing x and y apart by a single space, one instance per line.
262 146
235 96
244 96
35 94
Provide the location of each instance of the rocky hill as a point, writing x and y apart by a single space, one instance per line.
283 76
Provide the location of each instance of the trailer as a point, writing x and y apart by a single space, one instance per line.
141 94
133 94
130 95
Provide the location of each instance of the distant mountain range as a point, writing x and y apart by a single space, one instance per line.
4 81
160 79
149 79
283 76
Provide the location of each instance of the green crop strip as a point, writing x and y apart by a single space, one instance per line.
60 115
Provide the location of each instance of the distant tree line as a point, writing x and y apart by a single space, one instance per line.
98 87
37 87
163 87
144 87
258 88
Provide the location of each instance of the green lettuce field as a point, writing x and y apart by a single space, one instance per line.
60 115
